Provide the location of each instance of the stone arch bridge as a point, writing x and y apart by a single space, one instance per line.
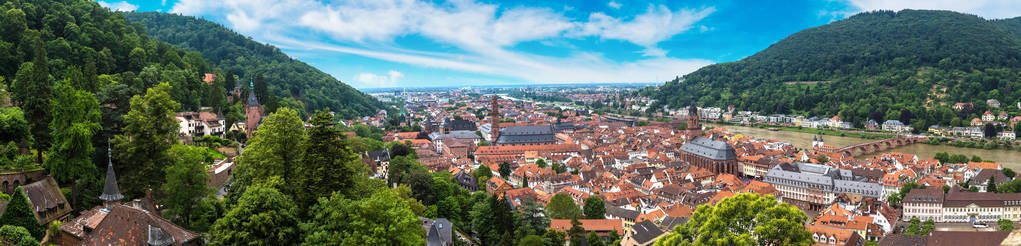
880 145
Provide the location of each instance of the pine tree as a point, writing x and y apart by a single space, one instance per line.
328 164
32 89
76 119
19 213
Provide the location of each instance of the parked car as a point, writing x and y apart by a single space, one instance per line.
979 225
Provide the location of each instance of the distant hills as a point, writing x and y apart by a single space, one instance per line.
240 55
909 65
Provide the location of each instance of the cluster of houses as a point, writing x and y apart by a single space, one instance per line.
653 177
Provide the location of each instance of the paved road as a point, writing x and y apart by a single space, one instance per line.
964 227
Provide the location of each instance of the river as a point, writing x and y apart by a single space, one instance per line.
1009 158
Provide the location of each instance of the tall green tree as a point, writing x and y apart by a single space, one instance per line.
33 90
505 170
593 239
217 96
577 233
19 213
562 206
262 216
531 216
745 219
186 185
328 164
260 89
594 208
991 184
149 132
402 167
482 174
76 119
275 150
382 219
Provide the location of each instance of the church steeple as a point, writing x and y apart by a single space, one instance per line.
694 129
494 118
111 193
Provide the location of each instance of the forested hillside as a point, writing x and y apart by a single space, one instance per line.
237 54
73 71
78 79
909 65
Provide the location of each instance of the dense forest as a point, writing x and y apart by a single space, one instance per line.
60 61
290 81
910 65
84 90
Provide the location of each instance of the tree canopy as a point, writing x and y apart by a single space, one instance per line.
142 150
17 236
594 208
382 219
562 206
744 219
262 216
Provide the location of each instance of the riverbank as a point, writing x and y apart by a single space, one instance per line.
974 144
825 132
1009 158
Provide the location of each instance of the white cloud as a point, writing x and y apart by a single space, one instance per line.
373 80
990 9
119 6
614 4
577 68
658 23
481 33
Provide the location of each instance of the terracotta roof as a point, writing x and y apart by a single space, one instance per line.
125 225
679 211
970 238
926 195
842 237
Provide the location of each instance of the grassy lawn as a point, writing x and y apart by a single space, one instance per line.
215 154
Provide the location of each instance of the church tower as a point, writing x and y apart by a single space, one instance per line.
694 129
253 113
494 118
111 193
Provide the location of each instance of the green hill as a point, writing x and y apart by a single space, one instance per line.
240 55
909 65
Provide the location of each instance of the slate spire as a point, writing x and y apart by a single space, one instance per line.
111 193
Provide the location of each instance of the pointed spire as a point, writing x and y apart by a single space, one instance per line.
252 100
111 193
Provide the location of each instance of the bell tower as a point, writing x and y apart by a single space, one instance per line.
694 129
494 118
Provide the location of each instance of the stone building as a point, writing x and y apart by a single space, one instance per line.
713 155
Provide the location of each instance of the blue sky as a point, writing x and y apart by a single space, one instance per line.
411 43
